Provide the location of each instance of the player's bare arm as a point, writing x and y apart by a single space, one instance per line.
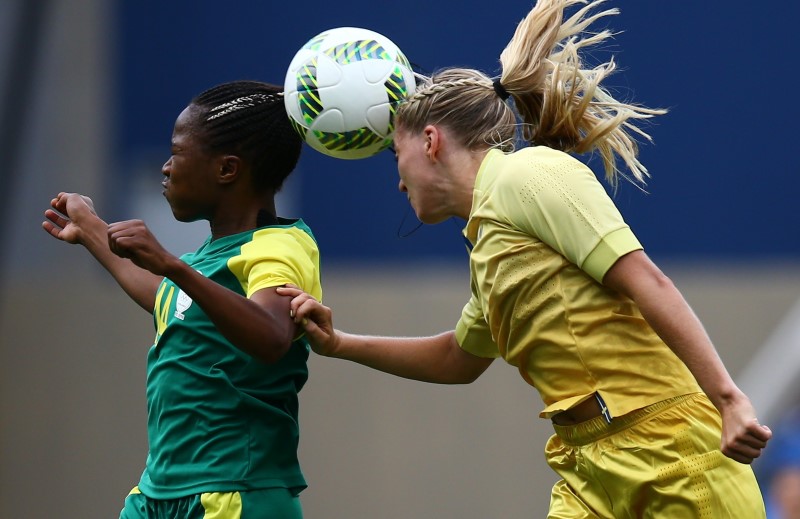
437 359
73 219
665 309
259 326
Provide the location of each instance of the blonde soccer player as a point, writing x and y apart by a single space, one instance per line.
647 421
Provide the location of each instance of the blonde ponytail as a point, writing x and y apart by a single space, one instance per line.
562 103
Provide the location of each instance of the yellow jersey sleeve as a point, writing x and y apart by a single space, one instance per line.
276 256
558 199
473 334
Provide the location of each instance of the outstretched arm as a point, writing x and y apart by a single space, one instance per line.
437 359
72 219
637 277
259 326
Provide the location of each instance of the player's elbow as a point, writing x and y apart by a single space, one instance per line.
468 368
466 378
267 347
271 352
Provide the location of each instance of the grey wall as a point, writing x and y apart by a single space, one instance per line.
72 439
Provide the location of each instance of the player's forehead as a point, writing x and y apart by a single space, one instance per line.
187 118
186 124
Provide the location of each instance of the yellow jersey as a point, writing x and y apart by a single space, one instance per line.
543 232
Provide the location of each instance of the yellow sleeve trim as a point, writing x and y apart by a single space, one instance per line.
276 256
611 248
461 332
473 334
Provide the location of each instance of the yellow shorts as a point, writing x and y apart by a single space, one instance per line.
663 461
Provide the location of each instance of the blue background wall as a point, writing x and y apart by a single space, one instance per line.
724 176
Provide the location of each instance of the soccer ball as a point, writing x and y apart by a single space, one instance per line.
342 90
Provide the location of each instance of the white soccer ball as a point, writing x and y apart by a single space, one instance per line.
342 90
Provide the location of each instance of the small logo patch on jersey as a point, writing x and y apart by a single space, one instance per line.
183 302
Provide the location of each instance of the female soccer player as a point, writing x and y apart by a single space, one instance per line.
648 422
225 367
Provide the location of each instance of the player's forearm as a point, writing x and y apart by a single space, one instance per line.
260 330
139 284
668 313
428 359
674 321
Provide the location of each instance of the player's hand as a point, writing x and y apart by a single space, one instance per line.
70 213
132 239
743 437
314 317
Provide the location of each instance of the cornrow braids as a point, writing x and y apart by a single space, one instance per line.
240 103
248 119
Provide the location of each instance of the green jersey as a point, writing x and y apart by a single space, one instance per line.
220 420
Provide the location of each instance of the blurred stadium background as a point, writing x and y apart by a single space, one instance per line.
89 92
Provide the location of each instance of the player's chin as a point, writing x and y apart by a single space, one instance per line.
429 218
184 216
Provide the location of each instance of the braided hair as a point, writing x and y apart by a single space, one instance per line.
248 119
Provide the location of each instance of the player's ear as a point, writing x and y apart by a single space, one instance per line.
432 142
229 168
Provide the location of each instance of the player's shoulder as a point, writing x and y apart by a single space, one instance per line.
545 159
536 165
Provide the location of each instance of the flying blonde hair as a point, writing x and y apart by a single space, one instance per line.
560 103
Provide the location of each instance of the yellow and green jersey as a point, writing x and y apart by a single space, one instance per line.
220 420
543 232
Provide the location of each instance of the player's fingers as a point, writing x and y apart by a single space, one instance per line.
313 310
56 218
301 304
311 327
60 201
743 454
289 290
297 295
753 441
760 432
307 307
51 229
298 298
737 457
117 242
744 449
